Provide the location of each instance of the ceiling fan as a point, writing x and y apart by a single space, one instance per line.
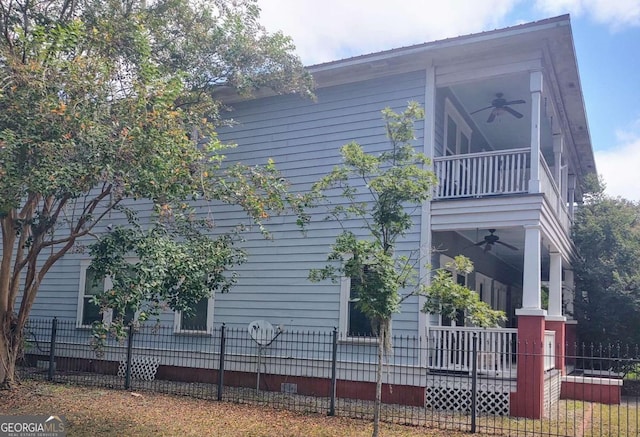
490 240
500 105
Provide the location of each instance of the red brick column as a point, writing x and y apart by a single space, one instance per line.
558 326
528 400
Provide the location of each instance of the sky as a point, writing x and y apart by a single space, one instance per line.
606 37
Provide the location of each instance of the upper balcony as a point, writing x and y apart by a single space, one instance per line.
501 136
497 173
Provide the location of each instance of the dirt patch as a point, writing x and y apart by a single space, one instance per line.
105 412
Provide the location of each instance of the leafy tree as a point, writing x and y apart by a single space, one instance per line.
606 232
102 101
381 191
446 297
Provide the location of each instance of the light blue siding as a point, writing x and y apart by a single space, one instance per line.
303 137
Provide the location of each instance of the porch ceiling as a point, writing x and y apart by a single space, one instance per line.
506 131
511 236
508 215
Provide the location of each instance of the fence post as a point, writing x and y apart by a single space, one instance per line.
52 349
221 365
127 378
334 359
474 380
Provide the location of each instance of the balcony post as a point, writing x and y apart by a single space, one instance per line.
571 194
535 86
565 184
558 144
557 159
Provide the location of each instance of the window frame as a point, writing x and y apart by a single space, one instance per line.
343 323
107 316
462 128
444 260
485 295
502 291
177 321
82 288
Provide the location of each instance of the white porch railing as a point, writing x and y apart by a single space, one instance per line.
451 349
551 191
481 174
549 350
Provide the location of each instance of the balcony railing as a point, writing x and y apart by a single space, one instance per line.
451 349
482 174
552 193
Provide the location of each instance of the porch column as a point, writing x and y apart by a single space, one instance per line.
565 183
535 86
555 285
571 194
531 293
554 320
557 168
528 400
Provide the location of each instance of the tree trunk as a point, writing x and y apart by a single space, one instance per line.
382 342
10 342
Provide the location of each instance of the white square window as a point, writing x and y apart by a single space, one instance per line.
200 321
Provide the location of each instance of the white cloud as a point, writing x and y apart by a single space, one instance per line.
333 29
616 14
619 166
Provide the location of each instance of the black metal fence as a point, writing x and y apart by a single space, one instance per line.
318 372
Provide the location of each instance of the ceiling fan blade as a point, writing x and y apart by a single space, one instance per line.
492 116
512 111
479 243
482 109
515 102
507 245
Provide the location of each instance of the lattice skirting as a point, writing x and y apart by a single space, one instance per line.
143 368
459 400
552 383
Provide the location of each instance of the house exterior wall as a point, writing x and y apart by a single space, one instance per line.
303 137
